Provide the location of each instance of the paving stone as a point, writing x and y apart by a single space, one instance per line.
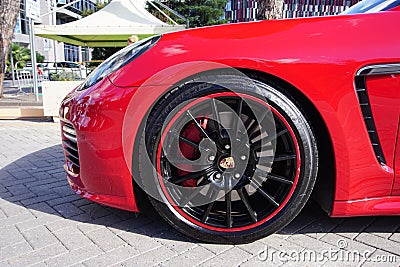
150 258
395 237
382 258
18 189
351 227
39 237
72 238
336 241
256 261
75 256
279 243
61 224
21 197
16 219
321 227
216 248
88 227
130 224
107 220
39 255
175 241
14 250
379 242
41 209
105 239
232 257
36 222
314 249
112 257
2 215
12 209
383 226
38 199
67 210
63 200
254 248
191 257
9 236
95 210
142 243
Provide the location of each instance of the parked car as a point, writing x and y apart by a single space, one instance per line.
27 69
75 70
229 129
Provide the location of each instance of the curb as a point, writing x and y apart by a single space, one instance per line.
12 113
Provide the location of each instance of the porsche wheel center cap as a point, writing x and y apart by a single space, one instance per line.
227 163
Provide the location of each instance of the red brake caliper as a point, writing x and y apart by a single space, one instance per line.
189 152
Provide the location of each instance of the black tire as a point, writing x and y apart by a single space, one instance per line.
248 217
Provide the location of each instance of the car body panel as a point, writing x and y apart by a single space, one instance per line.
396 185
384 96
318 56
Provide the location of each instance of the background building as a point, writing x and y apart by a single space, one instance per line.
246 10
53 50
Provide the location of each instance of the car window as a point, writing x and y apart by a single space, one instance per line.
372 6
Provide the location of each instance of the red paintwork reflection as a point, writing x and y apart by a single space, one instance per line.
373 207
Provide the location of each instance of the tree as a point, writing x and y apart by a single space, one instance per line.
9 10
22 55
199 12
270 9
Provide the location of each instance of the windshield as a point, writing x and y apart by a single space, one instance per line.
372 6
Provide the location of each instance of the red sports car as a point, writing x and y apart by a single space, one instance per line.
230 129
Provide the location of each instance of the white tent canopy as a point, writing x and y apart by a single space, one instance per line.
109 27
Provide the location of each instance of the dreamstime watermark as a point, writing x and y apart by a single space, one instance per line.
340 253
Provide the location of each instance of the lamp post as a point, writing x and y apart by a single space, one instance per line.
33 58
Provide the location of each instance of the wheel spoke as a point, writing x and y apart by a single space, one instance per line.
228 200
236 121
245 199
192 175
207 212
279 179
198 126
217 118
277 158
258 144
256 186
263 174
195 192
257 122
211 194
187 141
176 160
252 128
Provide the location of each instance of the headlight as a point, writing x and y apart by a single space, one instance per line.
118 60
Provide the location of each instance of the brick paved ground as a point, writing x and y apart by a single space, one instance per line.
42 223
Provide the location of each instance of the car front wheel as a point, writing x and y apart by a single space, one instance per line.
233 160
